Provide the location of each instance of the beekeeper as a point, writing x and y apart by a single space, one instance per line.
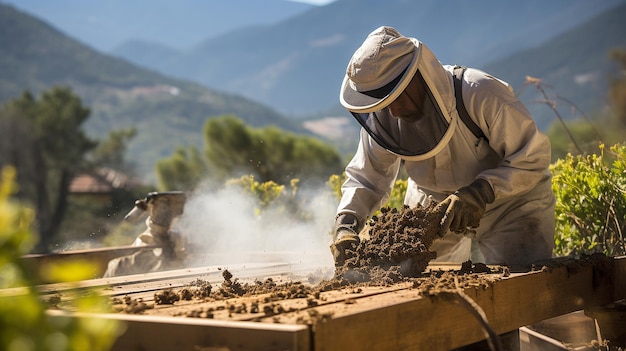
490 171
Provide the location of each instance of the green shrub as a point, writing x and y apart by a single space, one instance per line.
24 323
591 202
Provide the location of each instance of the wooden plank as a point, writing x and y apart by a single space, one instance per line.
537 341
383 318
176 278
404 320
166 333
144 285
296 310
380 317
98 257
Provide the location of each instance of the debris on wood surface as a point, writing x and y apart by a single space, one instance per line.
396 252
394 258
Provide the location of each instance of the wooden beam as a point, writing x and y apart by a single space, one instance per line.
404 320
98 257
168 333
173 278
398 317
150 282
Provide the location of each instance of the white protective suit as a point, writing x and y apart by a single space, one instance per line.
518 227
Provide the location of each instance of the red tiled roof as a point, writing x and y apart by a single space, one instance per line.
101 180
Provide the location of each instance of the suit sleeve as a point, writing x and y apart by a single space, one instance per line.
370 177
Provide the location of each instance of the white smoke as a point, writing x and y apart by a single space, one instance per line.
225 227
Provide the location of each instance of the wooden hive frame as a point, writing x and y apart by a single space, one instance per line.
374 318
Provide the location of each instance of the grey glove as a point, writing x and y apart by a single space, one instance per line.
465 207
346 237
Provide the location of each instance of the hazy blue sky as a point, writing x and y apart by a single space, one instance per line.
315 2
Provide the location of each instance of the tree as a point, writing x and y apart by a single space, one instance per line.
24 323
111 151
44 141
234 149
182 171
228 145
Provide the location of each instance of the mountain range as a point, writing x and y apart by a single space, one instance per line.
292 56
283 71
167 112
297 64
575 67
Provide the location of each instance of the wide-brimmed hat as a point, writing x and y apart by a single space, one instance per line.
379 70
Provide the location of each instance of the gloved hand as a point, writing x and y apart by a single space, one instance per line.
346 237
465 207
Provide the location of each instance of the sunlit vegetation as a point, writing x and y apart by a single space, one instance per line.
25 324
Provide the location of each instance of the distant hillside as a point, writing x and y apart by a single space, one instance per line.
574 65
167 112
297 65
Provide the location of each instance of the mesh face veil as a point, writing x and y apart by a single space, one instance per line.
418 137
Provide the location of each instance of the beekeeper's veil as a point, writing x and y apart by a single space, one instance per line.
378 73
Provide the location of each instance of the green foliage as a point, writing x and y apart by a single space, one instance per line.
233 149
44 140
24 323
334 183
273 197
167 112
184 170
228 145
270 153
396 199
111 151
15 237
89 218
50 126
591 202
58 120
266 193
